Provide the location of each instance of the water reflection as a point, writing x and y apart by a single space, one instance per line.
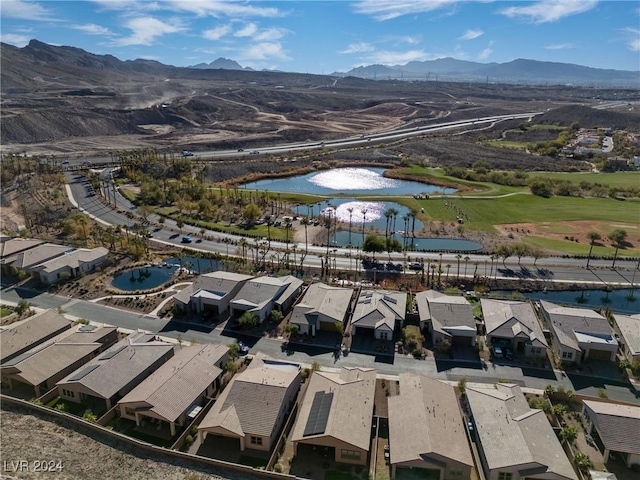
626 301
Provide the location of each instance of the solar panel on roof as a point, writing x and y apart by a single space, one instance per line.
319 414
112 353
390 299
83 373
87 328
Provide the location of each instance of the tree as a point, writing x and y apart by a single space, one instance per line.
462 385
504 252
618 236
593 238
568 434
251 213
520 250
276 316
234 350
583 462
541 188
22 307
373 244
249 320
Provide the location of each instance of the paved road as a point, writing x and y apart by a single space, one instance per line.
324 355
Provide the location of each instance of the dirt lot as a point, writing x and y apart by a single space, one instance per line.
82 457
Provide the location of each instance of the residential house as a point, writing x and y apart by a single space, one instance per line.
617 426
110 376
514 324
628 328
337 413
579 334
446 317
211 292
71 264
43 366
427 430
261 295
514 441
320 308
37 255
21 337
255 404
10 248
378 313
176 391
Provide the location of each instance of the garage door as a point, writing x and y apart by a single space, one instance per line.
328 326
599 355
461 341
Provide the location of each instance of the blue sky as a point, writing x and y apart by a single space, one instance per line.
327 36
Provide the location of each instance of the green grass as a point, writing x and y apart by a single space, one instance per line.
574 248
128 194
336 475
253 461
616 179
4 312
484 213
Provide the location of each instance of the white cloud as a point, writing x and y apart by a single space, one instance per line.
264 51
201 8
145 30
385 10
471 34
633 43
270 34
15 39
560 46
93 29
484 54
544 11
217 33
358 48
388 57
25 10
247 31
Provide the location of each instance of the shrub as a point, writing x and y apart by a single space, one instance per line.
249 320
188 441
89 416
61 407
81 321
462 384
278 468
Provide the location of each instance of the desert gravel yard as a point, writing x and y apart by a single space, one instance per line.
34 439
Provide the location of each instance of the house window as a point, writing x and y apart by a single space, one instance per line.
505 476
384 335
256 440
68 393
567 355
129 411
350 454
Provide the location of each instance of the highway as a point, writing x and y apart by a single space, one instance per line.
347 142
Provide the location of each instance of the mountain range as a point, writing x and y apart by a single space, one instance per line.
41 62
516 71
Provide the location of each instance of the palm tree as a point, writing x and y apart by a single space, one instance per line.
394 214
617 237
458 257
243 248
413 214
364 221
350 210
466 263
448 267
387 215
593 238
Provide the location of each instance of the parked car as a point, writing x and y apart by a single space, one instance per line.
387 453
508 353
242 348
187 239
497 352
187 153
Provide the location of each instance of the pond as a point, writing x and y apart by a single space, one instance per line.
143 278
195 264
626 301
355 181
341 238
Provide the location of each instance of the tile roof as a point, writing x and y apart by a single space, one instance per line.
178 383
351 411
259 291
618 425
220 283
376 308
39 254
629 327
252 401
28 333
567 321
321 299
432 427
513 434
447 313
507 318
15 245
119 365
74 259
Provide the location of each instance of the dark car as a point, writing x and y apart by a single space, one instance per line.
508 353
387 453
497 352
242 348
187 239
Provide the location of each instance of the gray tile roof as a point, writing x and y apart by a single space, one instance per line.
376 308
505 318
320 299
39 254
252 401
513 434
15 245
447 313
74 259
178 383
221 283
432 427
567 321
351 411
28 333
629 327
618 425
121 364
259 291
